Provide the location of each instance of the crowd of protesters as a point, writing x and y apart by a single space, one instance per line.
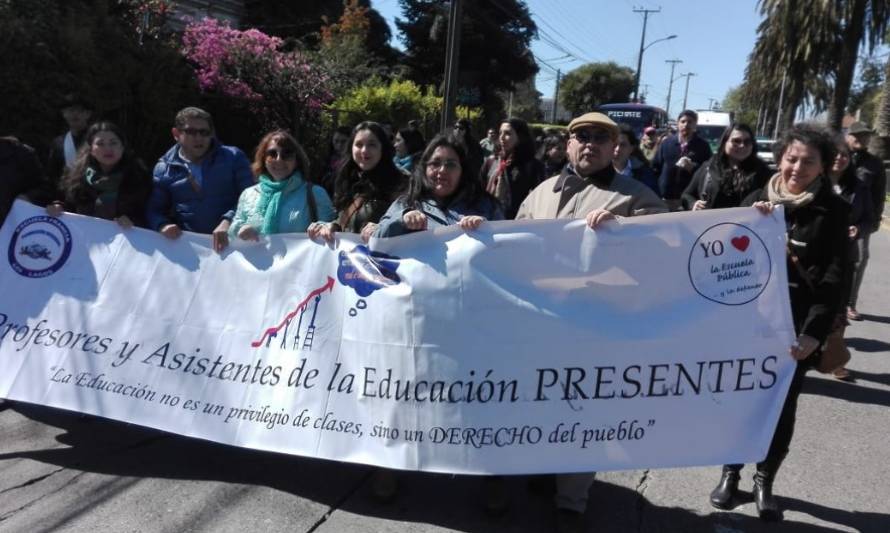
377 184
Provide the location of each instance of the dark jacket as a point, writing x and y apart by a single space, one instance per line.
392 225
817 236
870 170
712 183
178 198
642 172
20 174
672 181
370 203
132 196
523 177
856 193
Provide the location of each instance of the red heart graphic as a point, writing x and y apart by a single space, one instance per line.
741 243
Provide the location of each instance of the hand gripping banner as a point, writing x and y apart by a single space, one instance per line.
523 347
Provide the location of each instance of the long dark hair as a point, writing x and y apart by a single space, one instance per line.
469 188
525 148
74 177
750 162
379 183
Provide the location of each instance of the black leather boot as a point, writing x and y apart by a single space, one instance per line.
723 496
767 507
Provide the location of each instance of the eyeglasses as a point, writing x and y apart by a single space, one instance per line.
273 153
595 137
741 142
448 164
194 132
459 127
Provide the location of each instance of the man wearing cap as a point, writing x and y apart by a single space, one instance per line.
77 113
678 157
648 143
870 170
588 187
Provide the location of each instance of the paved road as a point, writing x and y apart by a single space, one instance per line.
62 472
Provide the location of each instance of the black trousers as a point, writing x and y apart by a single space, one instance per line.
778 448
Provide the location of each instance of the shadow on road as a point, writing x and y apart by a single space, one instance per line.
851 392
134 454
867 345
876 318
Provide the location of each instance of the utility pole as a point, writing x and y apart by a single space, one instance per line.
779 109
673 63
645 13
452 59
555 97
686 92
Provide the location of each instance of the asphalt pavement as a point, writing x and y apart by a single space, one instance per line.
62 472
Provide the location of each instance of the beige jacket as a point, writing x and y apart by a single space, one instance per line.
620 195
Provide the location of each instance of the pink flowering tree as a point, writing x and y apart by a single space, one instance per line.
282 87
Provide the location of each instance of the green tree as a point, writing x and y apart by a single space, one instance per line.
495 45
526 101
396 103
736 102
91 47
594 84
810 42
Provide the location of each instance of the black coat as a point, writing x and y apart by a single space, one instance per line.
709 184
870 170
523 177
817 236
135 188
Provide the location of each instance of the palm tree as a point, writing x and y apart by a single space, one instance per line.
811 41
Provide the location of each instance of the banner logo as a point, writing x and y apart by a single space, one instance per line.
365 272
39 247
729 264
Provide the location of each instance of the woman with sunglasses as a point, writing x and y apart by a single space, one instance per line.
730 175
440 193
107 180
283 201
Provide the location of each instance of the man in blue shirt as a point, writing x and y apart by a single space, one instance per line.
678 157
197 182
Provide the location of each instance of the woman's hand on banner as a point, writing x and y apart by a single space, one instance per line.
470 222
803 347
414 220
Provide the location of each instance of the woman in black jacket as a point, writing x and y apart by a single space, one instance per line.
816 220
511 174
730 175
367 183
107 180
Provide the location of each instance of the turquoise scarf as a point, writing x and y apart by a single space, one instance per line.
270 200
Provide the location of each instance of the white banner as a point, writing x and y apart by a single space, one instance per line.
523 347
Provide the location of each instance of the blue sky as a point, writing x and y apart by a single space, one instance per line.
714 38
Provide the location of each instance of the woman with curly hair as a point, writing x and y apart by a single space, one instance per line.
107 180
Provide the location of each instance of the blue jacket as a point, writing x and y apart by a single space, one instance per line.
198 205
293 208
391 224
672 181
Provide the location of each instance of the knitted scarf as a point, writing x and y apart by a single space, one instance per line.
778 193
270 200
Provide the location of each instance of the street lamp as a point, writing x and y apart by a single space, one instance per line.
640 60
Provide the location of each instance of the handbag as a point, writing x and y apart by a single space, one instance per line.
833 353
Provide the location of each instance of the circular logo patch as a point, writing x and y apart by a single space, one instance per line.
729 264
39 247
